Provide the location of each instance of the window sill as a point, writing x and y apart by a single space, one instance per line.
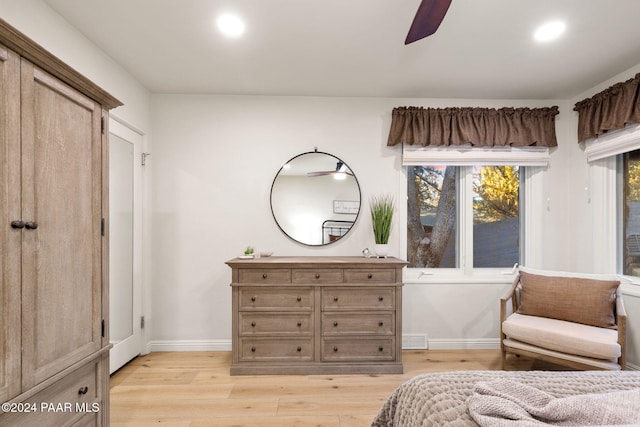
455 277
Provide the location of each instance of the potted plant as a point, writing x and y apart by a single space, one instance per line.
381 217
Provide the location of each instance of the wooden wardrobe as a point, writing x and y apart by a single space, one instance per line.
54 342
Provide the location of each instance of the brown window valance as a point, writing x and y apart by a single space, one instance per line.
482 127
611 109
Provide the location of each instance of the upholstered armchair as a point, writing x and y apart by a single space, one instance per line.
573 320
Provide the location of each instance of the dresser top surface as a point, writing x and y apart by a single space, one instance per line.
316 261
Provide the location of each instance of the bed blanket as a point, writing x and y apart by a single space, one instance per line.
505 403
440 399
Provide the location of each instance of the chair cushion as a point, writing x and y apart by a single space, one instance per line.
574 299
563 336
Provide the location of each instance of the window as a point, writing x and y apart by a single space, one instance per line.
463 216
631 213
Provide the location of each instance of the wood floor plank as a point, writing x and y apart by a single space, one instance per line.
194 389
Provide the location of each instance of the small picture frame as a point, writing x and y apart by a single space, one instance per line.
346 206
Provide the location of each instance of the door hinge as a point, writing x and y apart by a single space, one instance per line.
144 158
102 226
103 327
141 322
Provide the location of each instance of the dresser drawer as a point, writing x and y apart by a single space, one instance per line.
379 298
336 323
377 275
342 349
264 275
311 276
276 349
61 404
255 324
274 298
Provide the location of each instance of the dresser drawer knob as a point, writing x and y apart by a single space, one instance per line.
253 324
380 348
380 323
317 275
335 299
299 299
335 324
335 349
380 298
253 349
370 275
253 299
265 275
83 390
299 349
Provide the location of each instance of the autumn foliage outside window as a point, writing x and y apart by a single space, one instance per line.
435 214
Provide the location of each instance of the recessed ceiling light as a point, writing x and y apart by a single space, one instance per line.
230 25
549 31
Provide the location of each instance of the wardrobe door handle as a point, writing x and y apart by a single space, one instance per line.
30 225
17 224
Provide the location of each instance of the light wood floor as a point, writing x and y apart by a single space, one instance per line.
194 389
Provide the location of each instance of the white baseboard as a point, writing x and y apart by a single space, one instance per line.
224 345
465 344
189 345
434 344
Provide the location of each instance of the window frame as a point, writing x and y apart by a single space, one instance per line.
531 200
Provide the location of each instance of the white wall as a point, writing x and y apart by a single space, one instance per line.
214 161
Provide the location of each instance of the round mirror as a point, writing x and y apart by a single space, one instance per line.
315 198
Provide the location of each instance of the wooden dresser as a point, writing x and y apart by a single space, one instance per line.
317 315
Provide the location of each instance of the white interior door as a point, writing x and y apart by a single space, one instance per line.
125 244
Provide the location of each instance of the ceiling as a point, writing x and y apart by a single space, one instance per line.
355 48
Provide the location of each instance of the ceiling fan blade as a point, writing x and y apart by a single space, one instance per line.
427 20
322 173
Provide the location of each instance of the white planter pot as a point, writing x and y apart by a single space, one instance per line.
381 249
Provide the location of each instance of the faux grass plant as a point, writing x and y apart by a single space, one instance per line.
381 217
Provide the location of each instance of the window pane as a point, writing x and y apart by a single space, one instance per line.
496 216
632 213
432 216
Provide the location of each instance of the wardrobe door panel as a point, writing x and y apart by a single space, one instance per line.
61 195
10 237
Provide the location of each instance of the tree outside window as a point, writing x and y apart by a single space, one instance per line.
435 213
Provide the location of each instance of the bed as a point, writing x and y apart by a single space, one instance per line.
441 399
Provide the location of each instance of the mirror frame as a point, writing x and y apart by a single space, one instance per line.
359 198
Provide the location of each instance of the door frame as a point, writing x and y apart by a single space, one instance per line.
135 345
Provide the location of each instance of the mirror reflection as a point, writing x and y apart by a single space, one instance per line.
315 198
